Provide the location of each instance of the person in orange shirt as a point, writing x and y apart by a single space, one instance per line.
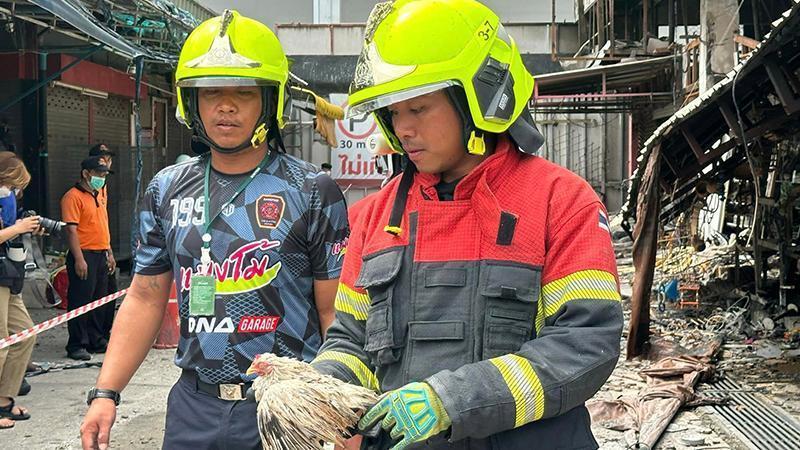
90 259
105 313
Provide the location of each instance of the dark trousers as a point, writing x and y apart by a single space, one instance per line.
85 330
105 314
199 421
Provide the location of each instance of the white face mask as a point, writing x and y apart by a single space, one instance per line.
6 191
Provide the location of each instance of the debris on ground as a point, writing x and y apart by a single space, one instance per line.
757 347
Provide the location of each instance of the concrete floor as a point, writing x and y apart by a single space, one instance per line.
57 401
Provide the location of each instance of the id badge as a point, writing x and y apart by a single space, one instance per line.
202 294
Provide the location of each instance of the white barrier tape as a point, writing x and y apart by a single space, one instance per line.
58 320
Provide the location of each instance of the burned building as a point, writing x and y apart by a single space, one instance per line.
723 171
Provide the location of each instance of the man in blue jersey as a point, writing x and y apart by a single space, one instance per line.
252 238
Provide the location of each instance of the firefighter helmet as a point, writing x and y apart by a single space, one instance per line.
232 50
472 52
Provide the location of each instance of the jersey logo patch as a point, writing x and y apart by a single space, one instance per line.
269 211
240 272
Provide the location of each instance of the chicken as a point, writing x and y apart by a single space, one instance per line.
300 408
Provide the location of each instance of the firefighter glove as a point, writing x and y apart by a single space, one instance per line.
412 414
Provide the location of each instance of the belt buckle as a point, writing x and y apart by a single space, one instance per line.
230 392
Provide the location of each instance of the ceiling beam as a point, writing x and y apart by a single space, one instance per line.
787 97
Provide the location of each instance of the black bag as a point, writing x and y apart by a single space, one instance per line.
12 273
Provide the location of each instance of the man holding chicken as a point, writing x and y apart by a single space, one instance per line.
479 290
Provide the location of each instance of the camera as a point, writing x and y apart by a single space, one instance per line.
50 226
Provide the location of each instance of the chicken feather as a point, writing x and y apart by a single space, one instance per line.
300 408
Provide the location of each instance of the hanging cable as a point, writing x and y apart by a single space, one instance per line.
138 62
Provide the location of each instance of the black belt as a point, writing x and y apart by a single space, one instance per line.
94 251
223 391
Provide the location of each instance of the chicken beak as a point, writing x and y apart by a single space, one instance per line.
250 370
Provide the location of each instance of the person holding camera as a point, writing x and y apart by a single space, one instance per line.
90 260
14 177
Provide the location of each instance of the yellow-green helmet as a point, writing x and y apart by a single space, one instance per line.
414 47
232 50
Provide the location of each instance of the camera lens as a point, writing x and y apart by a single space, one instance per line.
50 226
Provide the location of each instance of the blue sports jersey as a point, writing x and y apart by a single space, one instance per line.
285 230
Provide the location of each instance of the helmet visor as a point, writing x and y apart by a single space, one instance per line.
224 82
390 99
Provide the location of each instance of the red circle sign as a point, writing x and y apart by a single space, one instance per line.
356 134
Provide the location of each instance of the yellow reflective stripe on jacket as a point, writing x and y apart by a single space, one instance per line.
359 369
524 385
351 302
586 284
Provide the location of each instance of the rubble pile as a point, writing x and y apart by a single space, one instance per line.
753 346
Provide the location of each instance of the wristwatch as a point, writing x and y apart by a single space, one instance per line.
102 393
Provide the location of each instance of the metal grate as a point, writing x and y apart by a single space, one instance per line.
766 427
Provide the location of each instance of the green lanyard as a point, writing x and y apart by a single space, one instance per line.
207 203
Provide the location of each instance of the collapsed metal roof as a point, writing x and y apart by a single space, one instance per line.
616 87
153 29
703 139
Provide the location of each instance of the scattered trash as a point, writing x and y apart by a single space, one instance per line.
670 385
46 367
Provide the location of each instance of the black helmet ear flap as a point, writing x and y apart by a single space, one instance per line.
525 134
523 131
470 134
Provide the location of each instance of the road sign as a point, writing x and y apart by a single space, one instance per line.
352 161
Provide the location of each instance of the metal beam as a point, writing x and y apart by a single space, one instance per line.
693 144
758 130
670 165
52 77
790 103
730 119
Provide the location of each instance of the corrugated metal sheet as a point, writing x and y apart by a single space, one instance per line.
68 142
111 126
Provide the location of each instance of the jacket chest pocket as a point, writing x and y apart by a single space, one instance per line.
511 293
440 337
378 275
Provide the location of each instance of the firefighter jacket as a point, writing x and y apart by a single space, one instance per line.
504 300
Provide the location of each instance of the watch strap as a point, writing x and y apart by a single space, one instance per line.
102 393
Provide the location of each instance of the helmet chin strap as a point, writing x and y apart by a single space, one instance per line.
258 137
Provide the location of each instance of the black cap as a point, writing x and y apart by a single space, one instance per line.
94 163
100 150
